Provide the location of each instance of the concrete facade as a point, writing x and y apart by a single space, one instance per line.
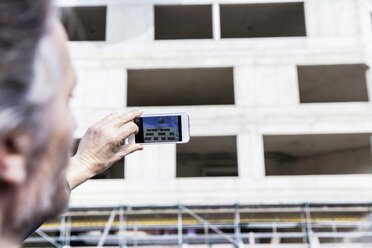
267 102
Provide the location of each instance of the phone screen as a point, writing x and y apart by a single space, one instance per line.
155 129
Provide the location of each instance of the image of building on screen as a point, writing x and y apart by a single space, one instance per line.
161 129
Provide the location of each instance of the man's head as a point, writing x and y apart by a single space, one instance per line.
36 80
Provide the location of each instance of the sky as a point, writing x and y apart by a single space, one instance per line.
152 122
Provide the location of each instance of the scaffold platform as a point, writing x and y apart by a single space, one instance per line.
310 225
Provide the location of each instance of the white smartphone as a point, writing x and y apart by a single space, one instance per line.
162 128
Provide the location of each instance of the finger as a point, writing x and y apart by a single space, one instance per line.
123 118
119 117
108 119
130 148
126 130
112 116
126 117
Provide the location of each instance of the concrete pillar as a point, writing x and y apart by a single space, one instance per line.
130 22
258 156
251 164
244 156
216 21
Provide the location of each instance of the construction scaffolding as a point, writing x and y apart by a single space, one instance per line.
264 225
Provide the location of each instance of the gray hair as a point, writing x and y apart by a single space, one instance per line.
27 75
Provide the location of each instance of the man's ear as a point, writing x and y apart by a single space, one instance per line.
12 164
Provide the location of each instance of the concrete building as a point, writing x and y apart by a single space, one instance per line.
278 93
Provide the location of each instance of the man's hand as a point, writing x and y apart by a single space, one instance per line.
103 145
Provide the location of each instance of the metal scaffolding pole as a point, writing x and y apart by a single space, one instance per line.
47 238
180 226
213 227
107 228
122 228
68 231
238 236
62 230
334 230
135 229
303 227
206 233
309 227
